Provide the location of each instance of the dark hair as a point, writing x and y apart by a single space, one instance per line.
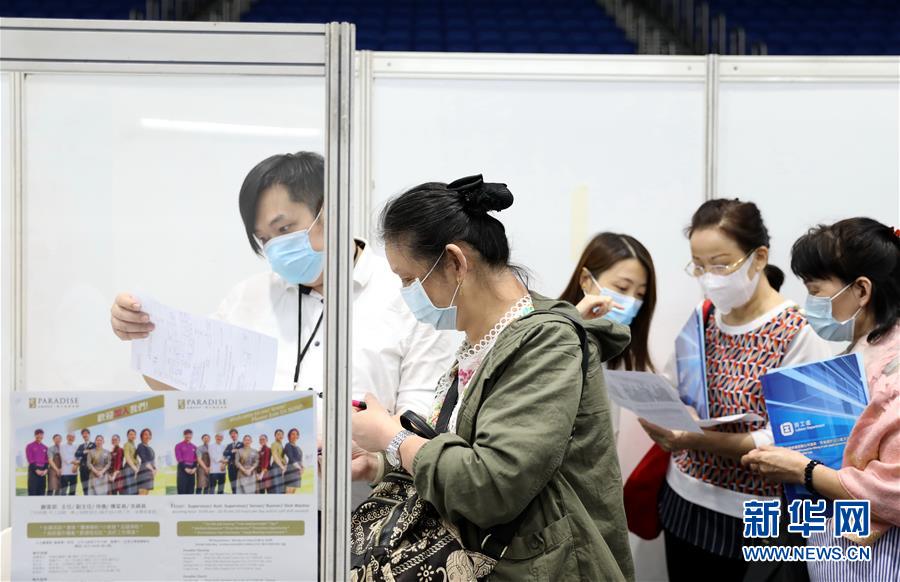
204 435
232 431
292 431
129 431
742 223
85 430
38 431
146 430
57 435
430 216
188 431
278 430
853 248
302 174
605 250
263 436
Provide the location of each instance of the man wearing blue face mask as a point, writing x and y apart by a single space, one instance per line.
394 356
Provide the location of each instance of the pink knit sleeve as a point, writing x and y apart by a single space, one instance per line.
872 457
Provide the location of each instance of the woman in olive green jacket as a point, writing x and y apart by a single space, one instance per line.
524 437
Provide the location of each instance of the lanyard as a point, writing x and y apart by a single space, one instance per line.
301 353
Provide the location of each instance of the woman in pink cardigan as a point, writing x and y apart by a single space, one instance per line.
852 272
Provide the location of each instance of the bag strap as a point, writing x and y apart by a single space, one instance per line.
450 400
707 310
498 538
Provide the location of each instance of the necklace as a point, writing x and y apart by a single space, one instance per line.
468 351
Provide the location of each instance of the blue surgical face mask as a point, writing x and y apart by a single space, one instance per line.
441 318
293 258
818 313
630 305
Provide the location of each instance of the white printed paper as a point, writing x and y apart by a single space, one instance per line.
249 519
191 352
650 397
746 417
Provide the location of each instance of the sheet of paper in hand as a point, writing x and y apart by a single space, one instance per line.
190 352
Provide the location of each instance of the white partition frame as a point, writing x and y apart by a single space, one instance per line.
98 47
684 73
811 140
718 74
715 70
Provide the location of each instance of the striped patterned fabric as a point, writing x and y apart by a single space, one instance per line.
884 566
709 530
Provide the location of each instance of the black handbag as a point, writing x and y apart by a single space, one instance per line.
398 536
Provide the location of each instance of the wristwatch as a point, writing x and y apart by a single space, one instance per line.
392 452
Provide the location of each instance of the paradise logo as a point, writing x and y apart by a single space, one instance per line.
53 402
202 403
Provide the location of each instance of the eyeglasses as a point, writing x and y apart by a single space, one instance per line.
695 270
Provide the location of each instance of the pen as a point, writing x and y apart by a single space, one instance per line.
358 404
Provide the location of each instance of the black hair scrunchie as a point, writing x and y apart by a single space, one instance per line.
478 196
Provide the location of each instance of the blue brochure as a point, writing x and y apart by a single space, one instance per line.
690 358
813 407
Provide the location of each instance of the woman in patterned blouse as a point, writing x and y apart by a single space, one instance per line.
751 329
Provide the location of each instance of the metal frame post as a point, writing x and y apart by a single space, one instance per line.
335 533
712 127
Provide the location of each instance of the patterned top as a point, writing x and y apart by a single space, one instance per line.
734 363
469 358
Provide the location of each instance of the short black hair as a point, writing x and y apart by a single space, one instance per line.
233 431
85 430
205 435
129 431
278 430
188 431
302 174
38 431
853 248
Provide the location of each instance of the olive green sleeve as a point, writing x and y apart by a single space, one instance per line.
523 428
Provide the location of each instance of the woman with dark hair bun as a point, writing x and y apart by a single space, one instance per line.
524 432
852 272
750 329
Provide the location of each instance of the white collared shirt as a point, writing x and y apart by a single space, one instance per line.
216 456
394 357
67 457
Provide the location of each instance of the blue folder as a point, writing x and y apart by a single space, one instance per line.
813 407
690 359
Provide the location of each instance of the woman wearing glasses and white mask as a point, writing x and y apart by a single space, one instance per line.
752 328
394 356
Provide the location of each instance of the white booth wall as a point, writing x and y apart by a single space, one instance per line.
131 184
580 156
586 144
810 153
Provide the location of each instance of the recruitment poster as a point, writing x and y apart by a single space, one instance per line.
118 486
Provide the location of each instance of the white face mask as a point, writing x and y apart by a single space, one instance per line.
732 290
